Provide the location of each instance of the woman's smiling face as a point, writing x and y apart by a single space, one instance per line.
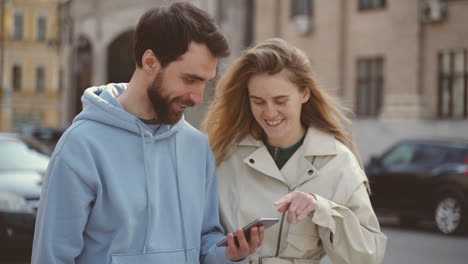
276 105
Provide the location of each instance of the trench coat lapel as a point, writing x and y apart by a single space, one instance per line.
299 169
301 164
261 160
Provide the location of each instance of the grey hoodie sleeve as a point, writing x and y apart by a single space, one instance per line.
63 213
212 232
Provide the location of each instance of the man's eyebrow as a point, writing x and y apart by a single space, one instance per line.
194 76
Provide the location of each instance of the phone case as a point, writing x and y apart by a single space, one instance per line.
265 222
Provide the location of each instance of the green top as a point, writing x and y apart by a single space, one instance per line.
282 155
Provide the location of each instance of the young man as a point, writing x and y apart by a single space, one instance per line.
131 181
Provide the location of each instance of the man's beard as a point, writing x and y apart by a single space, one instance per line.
161 104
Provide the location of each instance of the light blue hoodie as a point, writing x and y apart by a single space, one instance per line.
116 192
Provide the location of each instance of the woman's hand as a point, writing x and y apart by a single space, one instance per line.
298 204
245 248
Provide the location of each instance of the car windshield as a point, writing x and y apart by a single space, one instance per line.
401 155
19 155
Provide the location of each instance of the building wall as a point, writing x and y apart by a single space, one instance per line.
341 34
28 106
448 35
96 20
392 33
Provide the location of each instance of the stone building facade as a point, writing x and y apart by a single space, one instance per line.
400 65
97 37
29 59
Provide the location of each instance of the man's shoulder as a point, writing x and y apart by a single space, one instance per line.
76 135
190 132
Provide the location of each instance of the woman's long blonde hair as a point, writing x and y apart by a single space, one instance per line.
229 118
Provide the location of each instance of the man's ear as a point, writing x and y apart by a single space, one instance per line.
150 62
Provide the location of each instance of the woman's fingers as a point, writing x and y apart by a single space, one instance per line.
298 204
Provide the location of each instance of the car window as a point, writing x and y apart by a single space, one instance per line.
428 154
455 155
15 154
400 155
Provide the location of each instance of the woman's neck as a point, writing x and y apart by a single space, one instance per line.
286 142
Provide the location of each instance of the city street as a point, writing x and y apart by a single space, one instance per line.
421 245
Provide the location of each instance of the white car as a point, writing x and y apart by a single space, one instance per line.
23 163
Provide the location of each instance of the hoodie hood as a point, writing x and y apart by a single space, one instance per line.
100 105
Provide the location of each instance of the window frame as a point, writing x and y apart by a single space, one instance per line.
373 79
16 77
365 5
18 29
445 109
40 84
296 10
39 36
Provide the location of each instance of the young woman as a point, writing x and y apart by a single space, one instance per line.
282 151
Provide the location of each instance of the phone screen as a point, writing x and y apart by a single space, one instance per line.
265 222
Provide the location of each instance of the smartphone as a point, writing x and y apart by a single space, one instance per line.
265 222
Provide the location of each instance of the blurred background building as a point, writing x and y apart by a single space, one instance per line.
29 64
97 42
401 66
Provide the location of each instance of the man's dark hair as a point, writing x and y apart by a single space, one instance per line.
168 31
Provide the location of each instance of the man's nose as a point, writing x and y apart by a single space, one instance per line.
197 95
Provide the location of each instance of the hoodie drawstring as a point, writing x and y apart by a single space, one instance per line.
147 191
178 184
181 203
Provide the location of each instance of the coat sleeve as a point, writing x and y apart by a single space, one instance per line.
351 233
212 232
63 213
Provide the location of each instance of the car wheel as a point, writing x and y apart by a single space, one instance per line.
449 214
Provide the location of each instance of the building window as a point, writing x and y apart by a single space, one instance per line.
41 28
301 13
371 4
369 86
16 78
301 8
453 83
18 26
40 79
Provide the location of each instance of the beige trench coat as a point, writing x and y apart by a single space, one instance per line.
343 226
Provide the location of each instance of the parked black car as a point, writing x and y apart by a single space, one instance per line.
23 162
48 136
423 179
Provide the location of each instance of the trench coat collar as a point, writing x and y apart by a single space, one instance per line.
316 143
261 160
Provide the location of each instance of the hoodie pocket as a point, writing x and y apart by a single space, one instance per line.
172 256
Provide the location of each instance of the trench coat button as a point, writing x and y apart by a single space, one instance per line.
310 172
252 161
